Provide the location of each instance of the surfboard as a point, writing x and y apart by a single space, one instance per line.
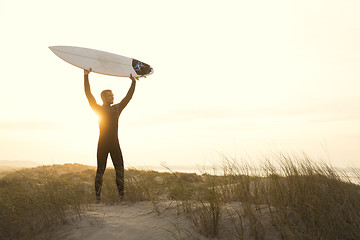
102 62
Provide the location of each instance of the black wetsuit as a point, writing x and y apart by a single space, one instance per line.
108 138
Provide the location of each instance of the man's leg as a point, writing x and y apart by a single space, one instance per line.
118 162
102 154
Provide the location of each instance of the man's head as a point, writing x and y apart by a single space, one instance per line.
107 97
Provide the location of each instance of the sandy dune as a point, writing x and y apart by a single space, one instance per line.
129 222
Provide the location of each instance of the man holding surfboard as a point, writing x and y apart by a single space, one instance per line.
108 139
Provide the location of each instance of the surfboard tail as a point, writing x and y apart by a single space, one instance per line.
141 68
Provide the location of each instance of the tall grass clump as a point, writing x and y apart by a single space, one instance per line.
243 192
311 201
33 201
206 207
199 198
288 198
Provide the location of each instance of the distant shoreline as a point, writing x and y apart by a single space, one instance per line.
18 164
9 164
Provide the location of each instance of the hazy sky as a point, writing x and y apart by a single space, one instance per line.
239 78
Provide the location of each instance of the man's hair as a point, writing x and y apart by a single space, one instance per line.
103 94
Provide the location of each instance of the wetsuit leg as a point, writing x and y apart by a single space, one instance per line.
118 162
102 154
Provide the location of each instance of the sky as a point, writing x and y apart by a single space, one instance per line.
242 79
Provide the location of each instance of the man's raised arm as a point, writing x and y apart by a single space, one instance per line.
88 93
128 96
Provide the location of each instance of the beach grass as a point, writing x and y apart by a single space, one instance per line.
32 201
286 198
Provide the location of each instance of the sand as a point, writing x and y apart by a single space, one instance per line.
140 220
129 221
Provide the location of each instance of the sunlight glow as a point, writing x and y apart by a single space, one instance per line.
237 77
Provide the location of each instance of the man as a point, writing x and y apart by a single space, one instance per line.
108 138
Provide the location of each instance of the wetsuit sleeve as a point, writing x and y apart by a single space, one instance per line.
96 107
127 98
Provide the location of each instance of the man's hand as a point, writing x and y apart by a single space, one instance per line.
86 72
132 78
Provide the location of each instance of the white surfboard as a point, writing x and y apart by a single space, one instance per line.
102 62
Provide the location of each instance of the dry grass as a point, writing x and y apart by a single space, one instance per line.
32 201
291 198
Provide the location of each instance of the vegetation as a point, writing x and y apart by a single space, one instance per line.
292 198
